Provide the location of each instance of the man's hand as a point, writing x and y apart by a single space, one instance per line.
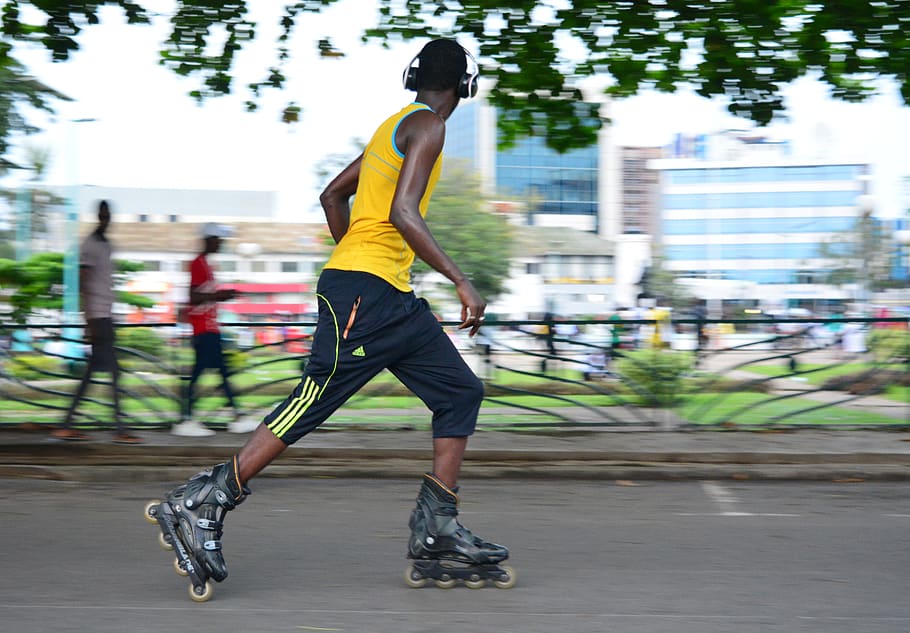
225 294
472 306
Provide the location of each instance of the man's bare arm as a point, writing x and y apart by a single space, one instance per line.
336 199
198 297
423 135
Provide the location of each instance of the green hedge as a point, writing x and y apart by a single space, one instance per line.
29 367
657 375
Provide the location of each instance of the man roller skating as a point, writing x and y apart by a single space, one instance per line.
370 320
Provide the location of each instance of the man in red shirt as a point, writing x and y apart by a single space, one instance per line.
203 317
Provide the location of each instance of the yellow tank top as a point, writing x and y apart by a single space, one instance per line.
372 244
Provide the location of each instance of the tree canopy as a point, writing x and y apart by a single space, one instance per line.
37 283
540 52
861 256
477 239
17 90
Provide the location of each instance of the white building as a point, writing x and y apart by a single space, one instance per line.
563 271
272 265
745 222
171 206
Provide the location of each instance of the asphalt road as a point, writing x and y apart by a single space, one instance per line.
328 555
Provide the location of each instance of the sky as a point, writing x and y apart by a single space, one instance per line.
145 131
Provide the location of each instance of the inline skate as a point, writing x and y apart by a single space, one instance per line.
445 551
191 519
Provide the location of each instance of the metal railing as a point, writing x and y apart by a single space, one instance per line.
568 374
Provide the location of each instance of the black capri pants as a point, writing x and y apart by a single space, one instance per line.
366 325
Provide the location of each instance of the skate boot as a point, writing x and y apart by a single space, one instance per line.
191 519
444 550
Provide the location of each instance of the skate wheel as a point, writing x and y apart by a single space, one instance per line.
164 543
475 583
179 568
151 510
202 594
507 580
445 583
413 578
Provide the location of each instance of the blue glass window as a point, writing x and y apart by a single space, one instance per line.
559 183
760 200
745 251
727 226
779 173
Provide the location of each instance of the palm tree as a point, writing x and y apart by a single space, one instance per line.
18 92
42 203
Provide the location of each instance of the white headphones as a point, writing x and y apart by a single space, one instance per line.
467 85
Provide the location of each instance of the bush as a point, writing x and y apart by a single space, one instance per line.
30 367
142 339
657 375
869 381
889 345
235 360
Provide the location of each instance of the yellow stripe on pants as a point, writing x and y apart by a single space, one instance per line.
297 407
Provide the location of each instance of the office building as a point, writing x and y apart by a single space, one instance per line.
758 227
639 187
557 190
563 264
172 206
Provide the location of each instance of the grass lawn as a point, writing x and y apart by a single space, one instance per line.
824 371
897 393
747 410
384 393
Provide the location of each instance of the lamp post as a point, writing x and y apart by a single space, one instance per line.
902 241
866 205
71 242
23 224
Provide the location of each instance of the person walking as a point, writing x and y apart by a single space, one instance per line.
96 291
208 346
369 319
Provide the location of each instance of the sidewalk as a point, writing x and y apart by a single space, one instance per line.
609 455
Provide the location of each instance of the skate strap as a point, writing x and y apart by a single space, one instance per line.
212 546
446 511
202 494
209 524
225 501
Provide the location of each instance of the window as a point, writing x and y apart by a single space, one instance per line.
172 218
151 265
289 267
228 266
807 277
257 266
532 268
143 217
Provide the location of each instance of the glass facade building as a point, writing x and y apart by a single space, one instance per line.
768 224
562 184
550 183
462 135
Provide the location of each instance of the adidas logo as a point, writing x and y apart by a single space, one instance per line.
359 352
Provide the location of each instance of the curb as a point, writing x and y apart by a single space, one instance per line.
406 464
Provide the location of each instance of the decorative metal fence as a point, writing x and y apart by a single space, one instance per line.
569 374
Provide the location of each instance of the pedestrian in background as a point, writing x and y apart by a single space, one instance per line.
208 345
96 291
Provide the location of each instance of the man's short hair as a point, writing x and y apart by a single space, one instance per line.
442 64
